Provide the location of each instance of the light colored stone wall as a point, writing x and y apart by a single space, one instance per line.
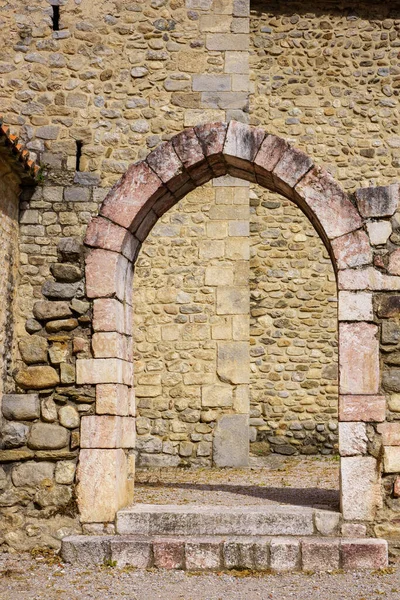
9 199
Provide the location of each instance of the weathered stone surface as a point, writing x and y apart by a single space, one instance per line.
391 380
86 550
352 250
388 305
169 554
136 554
355 306
37 378
59 291
70 249
232 362
67 373
61 325
394 263
49 410
107 432
390 332
360 488
390 433
102 484
320 555
32 473
65 472
45 310
364 554
103 370
21 407
358 358
33 349
66 273
202 555
14 435
391 459
230 441
45 436
285 554
69 417
352 439
379 232
112 399
362 408
378 201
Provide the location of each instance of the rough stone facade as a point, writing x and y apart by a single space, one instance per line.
91 96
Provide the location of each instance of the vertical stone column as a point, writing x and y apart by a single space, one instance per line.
224 95
231 280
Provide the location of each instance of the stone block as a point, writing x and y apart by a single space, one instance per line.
390 433
391 459
70 249
327 522
237 248
60 291
211 83
112 399
242 144
227 41
219 275
14 435
364 554
390 332
21 407
86 550
102 484
320 192
33 349
102 233
225 100
233 300
216 395
358 358
46 436
101 431
130 200
379 201
110 315
46 310
361 495
103 370
166 164
239 554
352 250
111 345
106 274
394 263
203 555
291 167
354 530
362 408
65 472
69 417
379 232
268 157
131 552
320 555
236 62
391 380
285 554
37 377
233 362
241 399
387 305
367 278
355 306
352 439
169 554
32 473
231 441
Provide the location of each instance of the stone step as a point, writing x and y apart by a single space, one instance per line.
205 553
194 520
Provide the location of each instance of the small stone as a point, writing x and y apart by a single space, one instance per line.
65 272
56 495
33 349
32 473
79 345
32 326
69 417
61 325
14 435
63 291
45 436
49 410
379 232
67 373
58 352
65 472
79 306
21 407
352 439
45 310
378 201
37 378
138 72
70 249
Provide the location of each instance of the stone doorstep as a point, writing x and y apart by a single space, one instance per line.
194 520
205 553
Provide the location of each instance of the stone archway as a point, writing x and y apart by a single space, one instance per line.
146 191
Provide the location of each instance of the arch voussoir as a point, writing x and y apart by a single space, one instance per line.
212 139
189 150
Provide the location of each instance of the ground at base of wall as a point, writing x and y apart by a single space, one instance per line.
28 578
300 480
